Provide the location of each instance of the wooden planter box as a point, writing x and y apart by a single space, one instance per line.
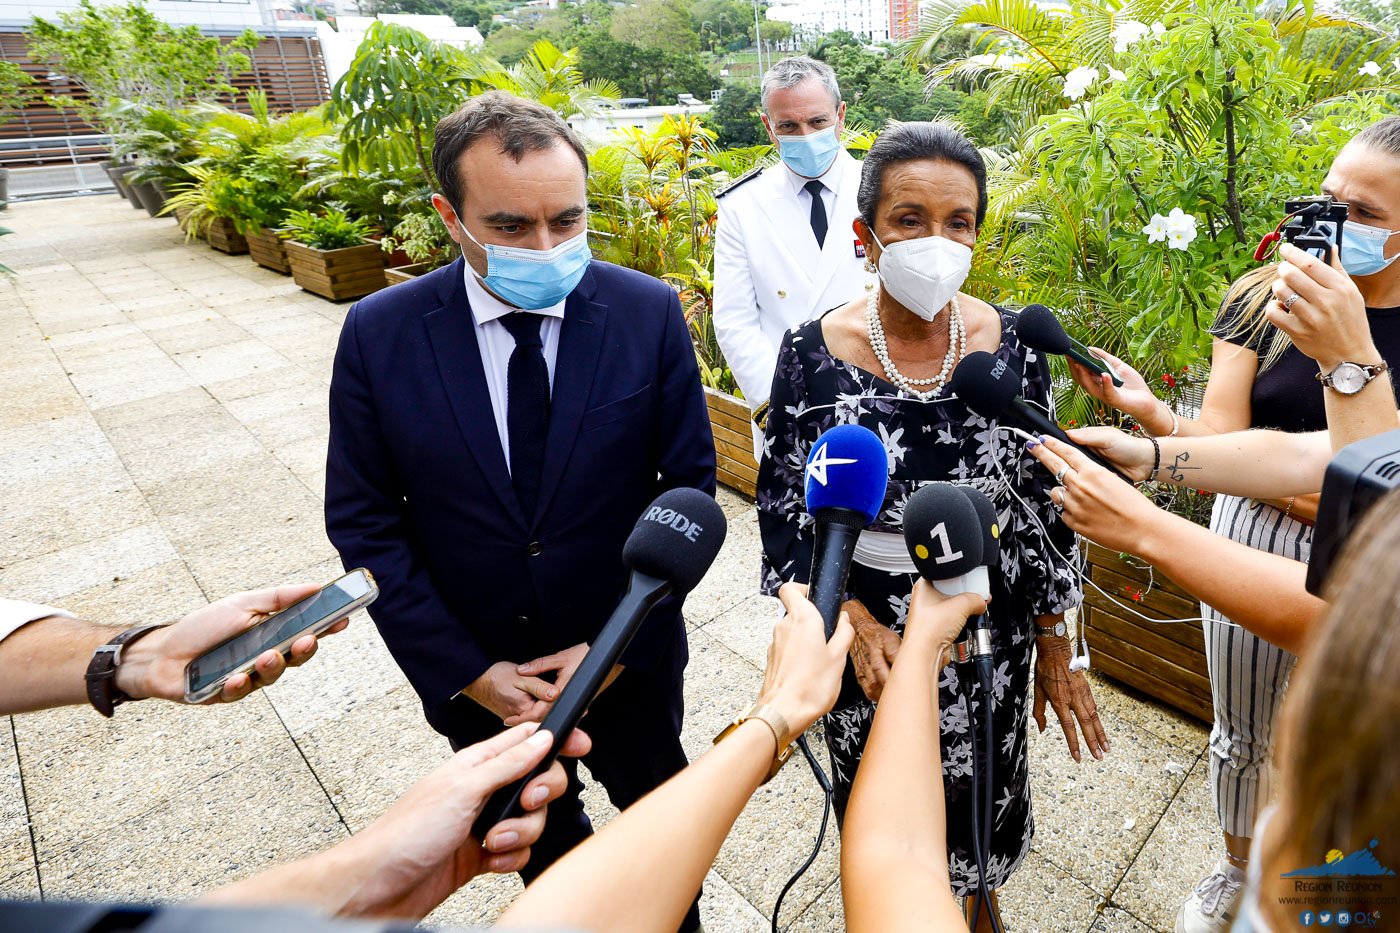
337 274
396 274
1165 661
269 251
182 216
224 237
734 462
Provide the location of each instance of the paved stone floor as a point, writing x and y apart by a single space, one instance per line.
162 443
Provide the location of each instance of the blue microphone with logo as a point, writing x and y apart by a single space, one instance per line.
847 472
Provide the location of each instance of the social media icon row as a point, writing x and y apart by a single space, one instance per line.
1342 918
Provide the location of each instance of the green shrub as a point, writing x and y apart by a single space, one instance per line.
331 230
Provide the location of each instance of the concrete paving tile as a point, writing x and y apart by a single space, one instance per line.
84 774
99 340
192 398
1121 704
368 757
1183 847
1092 817
718 685
211 494
308 418
163 593
287 378
23 885
733 577
747 629
231 361
1042 896
259 552
826 915
55 575
119 385
16 851
307 459
244 820
46 447
27 399
183 442
1117 920
724 910
62 321
51 524
195 335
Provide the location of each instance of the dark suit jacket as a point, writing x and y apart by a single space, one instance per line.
418 489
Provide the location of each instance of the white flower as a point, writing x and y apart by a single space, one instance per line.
1078 81
1181 229
1156 229
1396 63
1128 32
1158 29
1115 74
1371 68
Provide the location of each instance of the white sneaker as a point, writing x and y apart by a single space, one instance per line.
1211 906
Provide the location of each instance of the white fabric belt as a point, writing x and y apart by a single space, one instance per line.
883 550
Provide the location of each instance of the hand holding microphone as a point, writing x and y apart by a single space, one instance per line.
1037 327
1091 501
992 388
669 550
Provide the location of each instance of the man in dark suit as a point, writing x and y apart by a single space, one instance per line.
497 427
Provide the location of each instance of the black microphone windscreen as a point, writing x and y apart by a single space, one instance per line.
985 383
1037 327
987 521
942 532
677 538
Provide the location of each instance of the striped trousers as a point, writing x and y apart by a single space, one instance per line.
1248 676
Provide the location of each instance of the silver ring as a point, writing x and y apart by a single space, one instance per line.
1288 302
1060 503
1060 476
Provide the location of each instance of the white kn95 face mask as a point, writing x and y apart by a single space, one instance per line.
924 273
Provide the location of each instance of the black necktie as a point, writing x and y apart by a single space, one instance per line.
527 407
815 189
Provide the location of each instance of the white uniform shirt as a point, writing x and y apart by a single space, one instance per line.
770 274
496 345
15 613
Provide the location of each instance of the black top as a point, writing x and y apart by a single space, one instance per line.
1287 395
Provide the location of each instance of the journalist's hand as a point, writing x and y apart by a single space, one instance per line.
1134 398
872 651
1131 455
508 693
421 851
1093 501
935 621
154 665
804 670
1328 320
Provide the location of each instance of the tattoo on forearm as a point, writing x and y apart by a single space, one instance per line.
1177 470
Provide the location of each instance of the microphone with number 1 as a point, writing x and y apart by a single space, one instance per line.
847 472
669 550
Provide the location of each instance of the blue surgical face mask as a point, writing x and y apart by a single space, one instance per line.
811 155
534 279
1363 248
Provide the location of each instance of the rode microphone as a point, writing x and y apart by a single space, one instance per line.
669 550
1037 326
990 387
847 472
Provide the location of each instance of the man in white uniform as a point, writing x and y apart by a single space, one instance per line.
785 251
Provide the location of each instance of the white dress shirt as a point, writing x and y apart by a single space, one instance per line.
804 197
496 345
15 613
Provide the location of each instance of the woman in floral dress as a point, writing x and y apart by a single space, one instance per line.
885 363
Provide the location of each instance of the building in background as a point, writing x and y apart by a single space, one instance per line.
339 44
602 128
867 19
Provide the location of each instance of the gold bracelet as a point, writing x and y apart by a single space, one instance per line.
1289 510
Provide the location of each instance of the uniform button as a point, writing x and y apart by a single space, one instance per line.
781 293
522 620
534 549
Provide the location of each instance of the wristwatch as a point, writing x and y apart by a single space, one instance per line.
1058 630
101 674
1351 378
781 731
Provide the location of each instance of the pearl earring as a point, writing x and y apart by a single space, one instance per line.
870 267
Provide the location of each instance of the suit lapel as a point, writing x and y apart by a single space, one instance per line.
835 253
792 227
452 333
575 365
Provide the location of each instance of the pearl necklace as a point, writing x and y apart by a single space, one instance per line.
957 345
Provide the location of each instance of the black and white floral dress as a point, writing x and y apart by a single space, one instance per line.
937 440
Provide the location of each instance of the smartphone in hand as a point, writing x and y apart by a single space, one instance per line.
206 674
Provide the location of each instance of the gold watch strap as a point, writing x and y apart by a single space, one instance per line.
782 732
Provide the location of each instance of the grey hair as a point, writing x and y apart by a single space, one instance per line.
790 72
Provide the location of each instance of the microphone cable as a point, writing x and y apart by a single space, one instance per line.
827 791
983 788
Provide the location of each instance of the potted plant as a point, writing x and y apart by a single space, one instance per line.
424 240
212 199
330 257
